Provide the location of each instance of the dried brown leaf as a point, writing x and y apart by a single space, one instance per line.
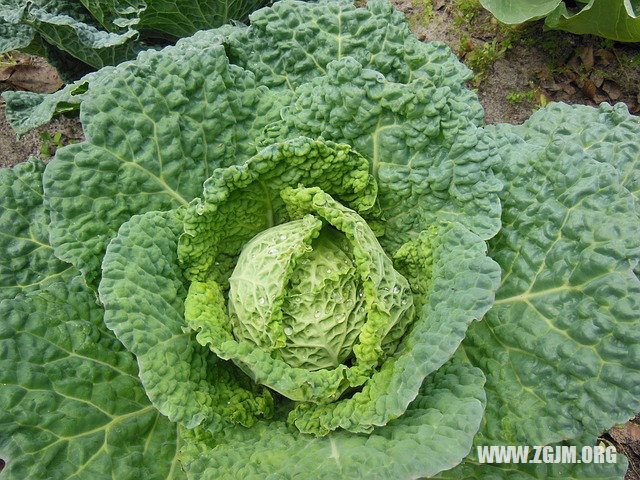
586 55
589 89
628 434
574 63
612 89
597 79
606 57
35 77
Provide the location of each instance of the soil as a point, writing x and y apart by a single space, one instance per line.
517 70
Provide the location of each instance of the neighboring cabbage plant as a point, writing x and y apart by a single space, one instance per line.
78 36
614 19
290 250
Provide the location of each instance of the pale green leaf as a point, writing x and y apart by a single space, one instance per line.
614 19
519 11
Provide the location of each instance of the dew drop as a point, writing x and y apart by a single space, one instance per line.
361 310
396 289
200 209
317 314
385 289
404 301
288 330
216 263
273 251
305 261
328 271
283 237
336 296
298 300
261 301
253 256
361 293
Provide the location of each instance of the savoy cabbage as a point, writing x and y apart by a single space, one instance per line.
291 250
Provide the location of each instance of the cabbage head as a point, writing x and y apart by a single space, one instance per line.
291 250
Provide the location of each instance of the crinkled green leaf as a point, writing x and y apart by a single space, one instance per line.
152 139
70 27
607 134
275 46
28 110
293 42
143 291
433 435
27 261
560 347
241 201
517 471
71 404
116 14
387 304
423 147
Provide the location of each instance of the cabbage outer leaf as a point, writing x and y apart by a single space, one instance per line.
519 11
152 139
560 347
71 403
433 435
27 261
266 48
13 37
607 134
293 42
143 292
